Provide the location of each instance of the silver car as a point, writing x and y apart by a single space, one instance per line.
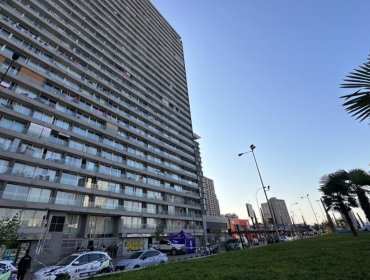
141 259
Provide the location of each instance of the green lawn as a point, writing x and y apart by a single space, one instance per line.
339 256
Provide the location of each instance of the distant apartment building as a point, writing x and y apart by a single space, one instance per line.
213 207
96 139
280 212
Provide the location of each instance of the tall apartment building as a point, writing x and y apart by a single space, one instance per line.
280 212
213 207
96 139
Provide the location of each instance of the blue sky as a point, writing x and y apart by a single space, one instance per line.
268 73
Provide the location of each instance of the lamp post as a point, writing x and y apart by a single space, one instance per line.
258 206
303 219
292 213
252 147
322 211
309 200
15 57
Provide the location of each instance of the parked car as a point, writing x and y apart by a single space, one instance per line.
7 270
283 238
233 244
142 259
366 227
76 266
167 246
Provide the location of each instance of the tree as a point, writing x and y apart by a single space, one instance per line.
231 216
360 184
337 195
9 230
358 103
160 231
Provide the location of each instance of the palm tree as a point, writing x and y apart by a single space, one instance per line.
337 195
358 103
360 184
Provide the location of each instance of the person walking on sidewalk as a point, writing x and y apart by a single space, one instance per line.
23 265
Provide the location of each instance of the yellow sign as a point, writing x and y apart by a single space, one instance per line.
134 245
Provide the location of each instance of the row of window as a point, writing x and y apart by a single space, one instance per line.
121 46
38 195
44 132
71 223
85 104
49 174
87 56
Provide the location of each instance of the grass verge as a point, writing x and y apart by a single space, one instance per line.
335 256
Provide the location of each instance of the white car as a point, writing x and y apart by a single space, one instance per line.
76 266
141 259
7 270
283 238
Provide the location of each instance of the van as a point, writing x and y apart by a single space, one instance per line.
235 244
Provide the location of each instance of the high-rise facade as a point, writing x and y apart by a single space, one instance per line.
96 138
213 207
280 212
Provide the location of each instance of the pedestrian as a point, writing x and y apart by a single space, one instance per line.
109 250
23 265
115 249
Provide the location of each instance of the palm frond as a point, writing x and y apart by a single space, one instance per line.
357 104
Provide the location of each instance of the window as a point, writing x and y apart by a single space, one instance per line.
67 198
108 186
31 150
154 195
56 224
100 226
52 155
12 124
61 123
107 203
135 164
91 166
73 161
95 257
154 182
3 166
45 174
15 192
39 130
151 208
131 222
42 116
5 143
21 109
133 191
79 130
110 170
71 179
132 206
84 259
38 195
20 169
32 218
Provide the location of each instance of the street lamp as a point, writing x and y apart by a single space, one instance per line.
291 210
252 147
15 57
309 200
303 219
292 213
322 211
